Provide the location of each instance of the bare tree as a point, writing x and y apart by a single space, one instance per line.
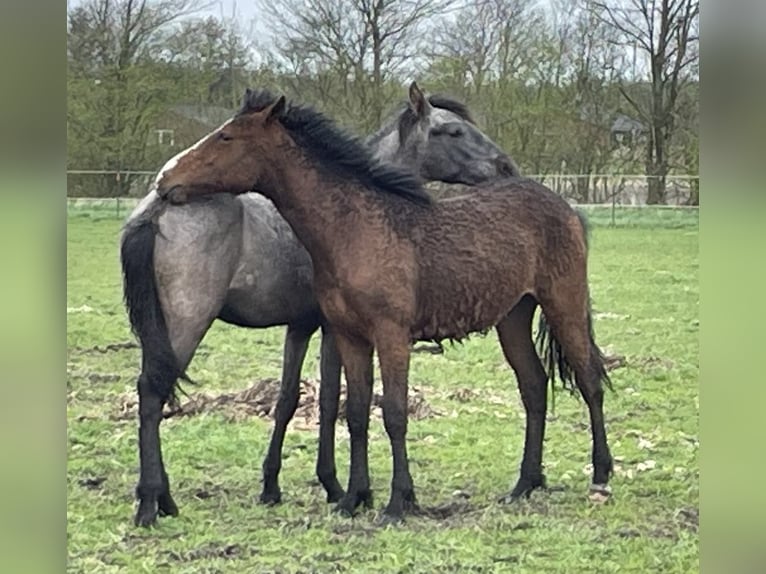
486 54
590 61
113 84
116 33
489 39
210 58
353 47
666 33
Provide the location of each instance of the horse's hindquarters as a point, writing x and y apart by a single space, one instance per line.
195 257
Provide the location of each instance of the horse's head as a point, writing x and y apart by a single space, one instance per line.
439 140
235 158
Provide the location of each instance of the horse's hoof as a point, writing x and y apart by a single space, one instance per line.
366 499
344 508
599 493
524 488
146 516
167 506
509 498
271 497
334 495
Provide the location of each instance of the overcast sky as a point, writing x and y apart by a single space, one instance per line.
245 11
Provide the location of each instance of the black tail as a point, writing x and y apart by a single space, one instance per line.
550 351
159 363
553 358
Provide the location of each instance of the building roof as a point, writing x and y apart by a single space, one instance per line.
626 125
210 116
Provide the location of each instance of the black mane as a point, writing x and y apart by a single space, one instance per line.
409 119
338 150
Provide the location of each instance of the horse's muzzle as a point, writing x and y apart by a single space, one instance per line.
173 194
506 167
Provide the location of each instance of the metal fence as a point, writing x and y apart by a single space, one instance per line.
600 188
615 192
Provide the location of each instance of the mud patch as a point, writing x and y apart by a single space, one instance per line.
92 483
445 511
212 550
651 363
463 395
106 348
612 362
260 401
688 519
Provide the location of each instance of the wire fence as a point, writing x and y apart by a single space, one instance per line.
611 198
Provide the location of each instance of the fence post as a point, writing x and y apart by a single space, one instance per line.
614 200
118 207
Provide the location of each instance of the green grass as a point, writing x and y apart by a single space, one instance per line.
644 283
598 215
642 216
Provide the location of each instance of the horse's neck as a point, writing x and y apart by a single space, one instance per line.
385 146
316 208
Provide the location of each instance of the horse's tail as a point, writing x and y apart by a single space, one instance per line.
550 350
553 358
160 366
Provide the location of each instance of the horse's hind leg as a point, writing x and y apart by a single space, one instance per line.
329 395
153 489
155 386
570 327
191 281
515 337
296 344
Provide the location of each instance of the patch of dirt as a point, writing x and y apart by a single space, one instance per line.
663 531
107 348
211 550
210 492
463 395
445 511
103 377
612 362
688 518
260 401
646 363
92 482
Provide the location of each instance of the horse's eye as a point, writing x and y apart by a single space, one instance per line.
224 137
456 132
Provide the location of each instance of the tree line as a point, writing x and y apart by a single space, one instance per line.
567 86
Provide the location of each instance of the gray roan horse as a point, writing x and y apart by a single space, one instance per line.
236 259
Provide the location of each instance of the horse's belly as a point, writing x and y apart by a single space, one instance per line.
264 300
452 314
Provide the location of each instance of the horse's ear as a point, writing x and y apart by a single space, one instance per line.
275 111
247 96
419 101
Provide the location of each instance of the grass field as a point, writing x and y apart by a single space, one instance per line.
644 283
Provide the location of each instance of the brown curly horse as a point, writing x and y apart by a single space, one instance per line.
392 266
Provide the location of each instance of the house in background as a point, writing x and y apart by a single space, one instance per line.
626 130
182 125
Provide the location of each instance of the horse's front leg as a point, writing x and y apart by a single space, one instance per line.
393 345
357 363
329 396
296 344
153 490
